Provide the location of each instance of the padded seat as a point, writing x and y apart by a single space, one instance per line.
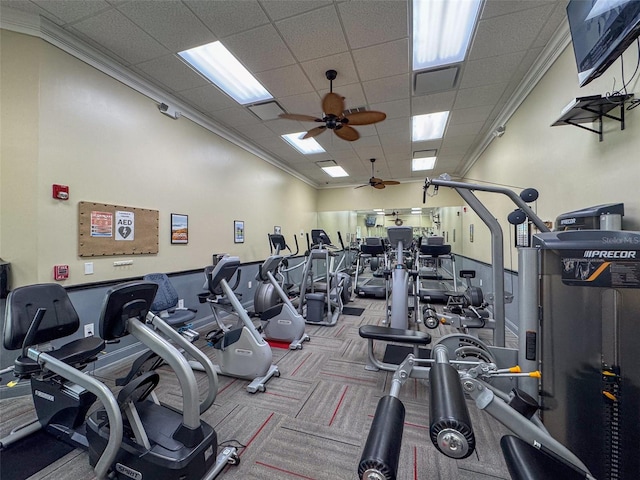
77 352
166 301
400 335
60 320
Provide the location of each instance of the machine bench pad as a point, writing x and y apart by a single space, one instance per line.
387 334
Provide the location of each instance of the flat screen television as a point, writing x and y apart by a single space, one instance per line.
601 30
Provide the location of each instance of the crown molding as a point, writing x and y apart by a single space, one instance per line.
48 31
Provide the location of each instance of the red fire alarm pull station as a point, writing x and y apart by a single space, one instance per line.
60 272
60 192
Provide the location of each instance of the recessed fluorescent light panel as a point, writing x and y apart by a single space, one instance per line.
308 146
335 171
378 210
429 126
442 31
423 160
418 164
217 64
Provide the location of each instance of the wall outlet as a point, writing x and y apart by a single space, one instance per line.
88 330
181 303
249 284
88 268
480 282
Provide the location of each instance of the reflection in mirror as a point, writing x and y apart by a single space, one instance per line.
356 225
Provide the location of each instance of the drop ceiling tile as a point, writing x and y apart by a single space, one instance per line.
506 7
254 132
279 9
173 73
464 129
491 69
260 49
236 116
437 102
456 146
283 126
228 17
306 104
69 11
170 22
369 23
509 33
208 99
382 60
285 81
475 97
313 35
341 63
394 109
387 89
395 125
470 115
370 151
558 17
121 36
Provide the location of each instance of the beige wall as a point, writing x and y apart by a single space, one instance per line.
568 166
405 195
65 122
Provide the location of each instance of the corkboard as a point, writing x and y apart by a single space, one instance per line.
105 230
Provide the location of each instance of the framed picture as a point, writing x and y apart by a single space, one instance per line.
238 231
277 230
179 228
471 232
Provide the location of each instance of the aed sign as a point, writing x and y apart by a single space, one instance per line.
125 226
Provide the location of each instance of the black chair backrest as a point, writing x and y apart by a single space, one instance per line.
125 301
60 319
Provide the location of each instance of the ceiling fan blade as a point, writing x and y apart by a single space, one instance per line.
347 133
299 117
314 132
333 104
360 186
373 180
365 118
379 186
391 182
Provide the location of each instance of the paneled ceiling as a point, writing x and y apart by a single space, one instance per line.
289 44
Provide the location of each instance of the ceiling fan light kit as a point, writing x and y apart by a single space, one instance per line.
334 117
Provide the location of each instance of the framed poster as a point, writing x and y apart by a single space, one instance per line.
179 228
238 231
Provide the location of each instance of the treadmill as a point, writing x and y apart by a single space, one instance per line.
374 285
435 281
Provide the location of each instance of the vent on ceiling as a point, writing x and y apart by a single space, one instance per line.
355 110
432 81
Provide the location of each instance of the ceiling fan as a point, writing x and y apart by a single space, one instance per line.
378 182
334 117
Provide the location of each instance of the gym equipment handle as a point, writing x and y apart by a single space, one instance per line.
381 453
450 426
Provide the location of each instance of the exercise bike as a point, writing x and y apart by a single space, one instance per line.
241 351
531 454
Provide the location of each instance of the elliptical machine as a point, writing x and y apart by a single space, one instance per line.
159 441
404 295
266 295
240 349
280 323
321 302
